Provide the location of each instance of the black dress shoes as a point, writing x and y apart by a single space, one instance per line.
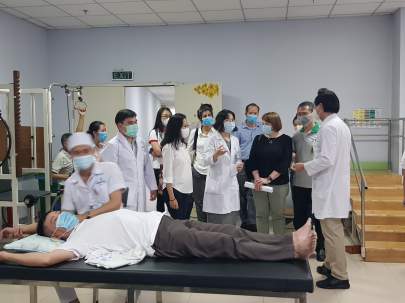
323 271
333 283
320 255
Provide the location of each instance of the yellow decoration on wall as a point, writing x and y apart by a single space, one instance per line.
207 89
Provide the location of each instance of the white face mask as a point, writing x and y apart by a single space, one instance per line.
185 132
165 121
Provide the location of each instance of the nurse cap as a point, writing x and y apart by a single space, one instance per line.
77 139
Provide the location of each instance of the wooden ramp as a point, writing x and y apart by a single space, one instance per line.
385 217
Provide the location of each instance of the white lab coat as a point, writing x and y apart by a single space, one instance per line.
137 171
330 170
221 194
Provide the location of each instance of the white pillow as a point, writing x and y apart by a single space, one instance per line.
34 243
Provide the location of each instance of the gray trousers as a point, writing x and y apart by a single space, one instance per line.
247 204
271 205
198 194
187 238
231 218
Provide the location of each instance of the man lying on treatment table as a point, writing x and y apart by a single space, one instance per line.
158 235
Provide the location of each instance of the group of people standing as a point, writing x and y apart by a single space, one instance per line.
209 165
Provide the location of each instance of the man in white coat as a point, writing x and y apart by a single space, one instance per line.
330 171
132 156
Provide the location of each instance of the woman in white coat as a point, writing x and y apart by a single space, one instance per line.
132 156
221 196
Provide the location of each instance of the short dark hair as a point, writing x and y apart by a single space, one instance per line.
295 120
329 101
64 138
274 119
124 114
204 108
251 104
94 127
307 103
322 91
220 119
40 224
158 121
173 131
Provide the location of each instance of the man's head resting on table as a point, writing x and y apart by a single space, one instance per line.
56 224
59 224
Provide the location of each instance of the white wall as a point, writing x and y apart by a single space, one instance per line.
146 105
23 47
276 64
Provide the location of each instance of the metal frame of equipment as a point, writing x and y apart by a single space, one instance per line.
8 90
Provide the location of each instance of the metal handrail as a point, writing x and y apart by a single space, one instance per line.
362 185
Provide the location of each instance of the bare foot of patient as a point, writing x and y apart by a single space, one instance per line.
304 240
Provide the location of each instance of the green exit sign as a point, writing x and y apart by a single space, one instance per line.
122 76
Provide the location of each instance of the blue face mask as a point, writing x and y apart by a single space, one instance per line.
229 127
83 162
131 130
207 121
251 119
102 136
304 120
267 129
67 221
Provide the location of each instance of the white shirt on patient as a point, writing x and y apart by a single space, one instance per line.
120 230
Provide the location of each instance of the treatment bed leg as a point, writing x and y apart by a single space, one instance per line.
95 295
159 298
33 294
133 295
301 299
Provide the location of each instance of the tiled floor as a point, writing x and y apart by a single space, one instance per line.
370 282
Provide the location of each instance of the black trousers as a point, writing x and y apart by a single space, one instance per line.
302 200
185 202
160 203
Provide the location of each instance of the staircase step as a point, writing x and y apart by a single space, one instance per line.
385 251
382 217
375 192
380 180
386 204
394 233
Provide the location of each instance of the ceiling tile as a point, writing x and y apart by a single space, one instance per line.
141 19
127 8
310 2
109 1
67 22
172 6
213 5
13 12
181 18
101 21
274 13
227 15
308 11
339 2
17 3
264 3
390 7
39 23
42 11
355 9
79 10
67 2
